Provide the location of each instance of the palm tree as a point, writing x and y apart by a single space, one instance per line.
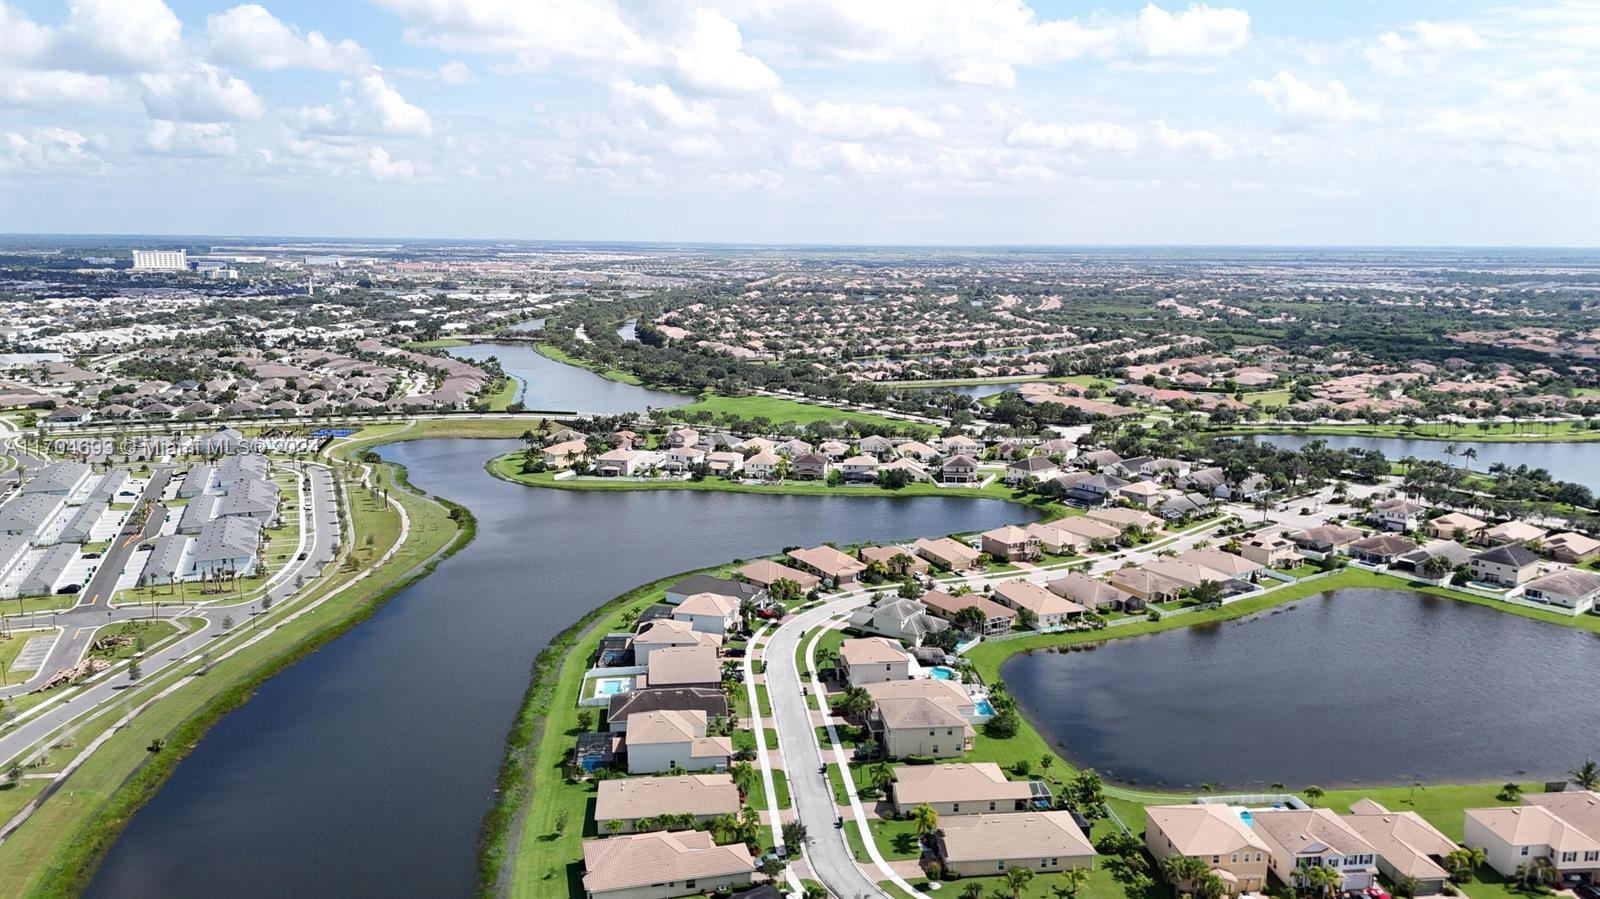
881 775
744 777
1074 879
1541 871
1312 794
1470 454
1017 880
1183 871
1586 775
1211 886
925 819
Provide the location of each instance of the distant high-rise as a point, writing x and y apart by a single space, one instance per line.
160 260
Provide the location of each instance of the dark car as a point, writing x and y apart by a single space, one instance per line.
1587 891
69 589
301 557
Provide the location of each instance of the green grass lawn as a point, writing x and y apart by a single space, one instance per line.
10 645
504 394
1269 398
551 351
780 410
780 789
438 343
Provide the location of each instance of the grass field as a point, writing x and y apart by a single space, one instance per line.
551 351
780 410
1268 398
438 343
10 645
503 395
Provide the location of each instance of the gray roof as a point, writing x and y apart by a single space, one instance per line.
245 466
11 547
110 485
223 539
200 510
1514 554
705 583
45 573
196 480
77 530
57 477
248 498
26 514
656 699
166 555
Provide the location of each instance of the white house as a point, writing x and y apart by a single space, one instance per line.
1309 838
662 740
1513 836
709 613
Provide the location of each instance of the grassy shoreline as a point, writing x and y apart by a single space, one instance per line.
551 351
508 468
1502 433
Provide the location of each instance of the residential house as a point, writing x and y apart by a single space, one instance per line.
1381 549
1213 833
725 462
1571 589
947 692
1511 565
1452 555
1226 564
829 563
1146 587
833 450
709 613
1098 460
914 469
960 444
628 799
625 463
1088 529
1053 539
763 465
765 573
1454 526
665 633
898 560
705 583
879 447
562 455
663 740
682 459
997 619
960 789
948 554
959 469
809 467
916 449
712 702
1270 551
860 469
920 727
989 845
684 666
871 660
1407 845
1096 489
1143 494
683 437
898 619
1397 514
1047 609
1092 594
1036 467
1510 532
1011 543
1514 836
1248 490
663 865
1327 539
1315 837
224 547
792 447
1124 518
1572 548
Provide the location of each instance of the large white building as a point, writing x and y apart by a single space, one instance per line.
160 260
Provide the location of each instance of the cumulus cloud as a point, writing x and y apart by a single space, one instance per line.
190 139
371 106
204 93
127 36
48 150
57 88
1103 136
1300 104
394 114
860 120
711 58
455 72
1200 30
385 168
1422 48
1197 141
849 157
249 36
661 106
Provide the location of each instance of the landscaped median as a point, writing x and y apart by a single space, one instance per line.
509 467
54 853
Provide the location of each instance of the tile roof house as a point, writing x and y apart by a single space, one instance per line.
959 789
1381 549
1448 525
1573 590
1397 514
765 573
987 845
899 619
871 660
662 740
1511 565
711 613
705 583
1214 833
908 562
1091 593
1036 467
1515 835
829 563
1407 845
997 619
1011 543
920 726
1145 586
1316 836
947 553
665 633
1327 539
1571 547
684 666
1048 609
1510 532
709 701
663 865
626 800
959 469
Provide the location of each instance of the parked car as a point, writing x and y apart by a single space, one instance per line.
69 589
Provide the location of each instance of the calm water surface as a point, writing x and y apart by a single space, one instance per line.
976 391
532 324
366 769
548 385
629 330
1565 461
1353 686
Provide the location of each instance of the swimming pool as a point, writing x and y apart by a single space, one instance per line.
940 672
984 707
611 686
1245 816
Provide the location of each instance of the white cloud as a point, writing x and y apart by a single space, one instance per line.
662 106
394 115
1086 136
371 105
1423 50
252 37
47 150
694 146
744 181
57 88
1300 104
1197 141
114 37
711 58
859 120
384 168
848 157
1200 30
605 156
24 41
455 72
190 139
204 93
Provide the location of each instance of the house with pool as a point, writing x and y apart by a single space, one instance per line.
1218 834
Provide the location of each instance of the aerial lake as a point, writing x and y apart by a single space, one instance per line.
367 768
551 386
1354 686
1566 461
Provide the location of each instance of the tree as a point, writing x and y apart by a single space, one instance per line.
1074 879
1586 775
856 703
744 777
1004 725
1017 880
1087 793
1207 593
972 891
970 618
925 820
881 775
562 818
1183 871
1324 880
1312 794
794 837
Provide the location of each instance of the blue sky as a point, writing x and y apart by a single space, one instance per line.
807 121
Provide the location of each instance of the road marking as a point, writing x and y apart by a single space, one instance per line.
95 600
78 633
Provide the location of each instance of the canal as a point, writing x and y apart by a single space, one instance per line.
366 769
1354 686
1566 461
548 385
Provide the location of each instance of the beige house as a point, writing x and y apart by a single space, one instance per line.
659 741
666 633
988 845
1273 551
1090 593
997 619
829 563
872 660
663 865
1571 589
1121 518
1563 828
561 455
1301 838
1572 547
1446 526
959 789
709 613
920 727
684 666
1011 543
897 559
1145 586
1408 846
1216 835
626 800
1088 529
948 692
1510 532
765 573
1508 566
947 553
1048 609
1053 539
1226 564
